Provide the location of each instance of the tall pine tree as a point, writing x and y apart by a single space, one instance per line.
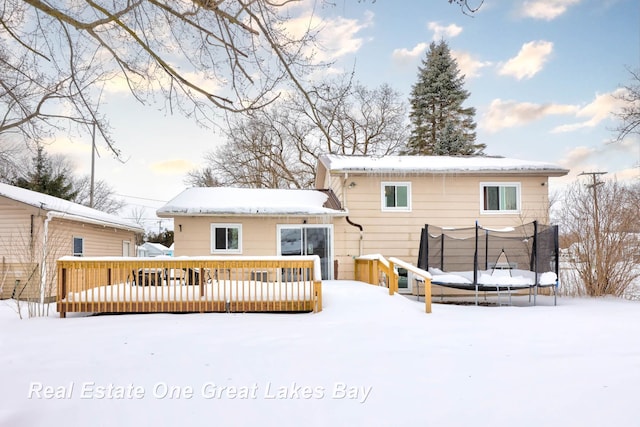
440 124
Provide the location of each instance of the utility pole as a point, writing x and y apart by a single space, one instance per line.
93 160
596 223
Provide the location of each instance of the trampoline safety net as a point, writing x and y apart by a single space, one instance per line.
531 246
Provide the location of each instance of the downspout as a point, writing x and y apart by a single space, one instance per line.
344 201
361 234
43 264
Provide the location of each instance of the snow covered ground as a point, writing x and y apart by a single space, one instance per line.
367 359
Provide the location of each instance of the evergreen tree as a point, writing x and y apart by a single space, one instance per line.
440 124
164 237
43 179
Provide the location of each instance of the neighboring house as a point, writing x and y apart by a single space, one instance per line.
364 205
36 229
149 249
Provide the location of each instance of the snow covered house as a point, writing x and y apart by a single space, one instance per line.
363 205
36 229
254 222
149 249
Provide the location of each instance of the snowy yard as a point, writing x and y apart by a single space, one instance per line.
366 359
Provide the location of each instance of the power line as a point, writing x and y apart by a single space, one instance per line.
141 198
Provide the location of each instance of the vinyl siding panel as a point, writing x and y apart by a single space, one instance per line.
443 200
21 250
98 240
259 234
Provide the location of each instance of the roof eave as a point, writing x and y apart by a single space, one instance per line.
250 214
544 172
86 220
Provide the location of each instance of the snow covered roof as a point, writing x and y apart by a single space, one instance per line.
200 201
157 246
66 209
437 164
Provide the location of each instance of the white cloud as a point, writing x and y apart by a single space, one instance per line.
529 60
617 159
468 65
406 56
444 32
629 174
600 109
336 36
546 9
77 150
577 157
507 114
172 167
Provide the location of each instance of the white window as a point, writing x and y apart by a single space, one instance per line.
500 197
226 238
78 246
396 196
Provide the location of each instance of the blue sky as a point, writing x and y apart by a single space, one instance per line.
541 74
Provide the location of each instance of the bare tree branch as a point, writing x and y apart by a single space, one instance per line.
629 115
202 57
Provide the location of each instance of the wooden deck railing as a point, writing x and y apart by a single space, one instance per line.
193 284
374 269
377 270
424 275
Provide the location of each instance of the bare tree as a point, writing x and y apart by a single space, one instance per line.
602 224
278 146
137 214
263 150
358 120
199 56
629 115
104 198
9 152
56 58
202 178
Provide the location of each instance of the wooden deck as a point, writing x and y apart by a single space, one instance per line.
195 284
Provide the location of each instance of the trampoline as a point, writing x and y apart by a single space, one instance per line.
484 259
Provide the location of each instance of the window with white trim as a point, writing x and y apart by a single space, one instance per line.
500 197
396 196
226 238
78 246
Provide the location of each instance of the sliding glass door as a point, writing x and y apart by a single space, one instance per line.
307 240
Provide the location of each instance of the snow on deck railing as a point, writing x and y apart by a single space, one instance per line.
418 272
373 269
378 270
189 284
